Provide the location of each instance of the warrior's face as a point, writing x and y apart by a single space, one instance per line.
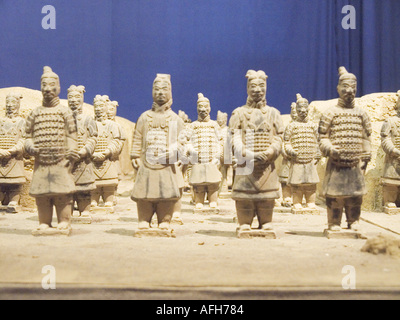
50 88
75 101
161 92
111 111
203 109
347 90
100 111
257 89
12 107
302 110
222 120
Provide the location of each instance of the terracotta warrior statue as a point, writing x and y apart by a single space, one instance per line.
287 200
302 149
159 182
51 137
205 151
345 132
390 135
12 146
107 150
87 138
257 131
226 155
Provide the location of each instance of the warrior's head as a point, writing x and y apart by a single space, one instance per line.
222 119
50 84
76 98
256 85
347 87
13 103
162 89
100 107
112 110
203 107
301 108
293 111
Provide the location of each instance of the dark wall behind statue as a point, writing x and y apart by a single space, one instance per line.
117 47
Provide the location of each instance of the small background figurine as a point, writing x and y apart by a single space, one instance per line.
390 135
302 149
226 165
12 146
204 150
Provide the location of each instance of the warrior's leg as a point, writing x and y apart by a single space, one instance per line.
14 192
64 206
298 193
212 191
3 194
286 195
96 194
335 211
45 212
108 195
145 213
353 212
199 196
390 194
245 212
165 210
178 207
224 181
265 210
83 200
310 193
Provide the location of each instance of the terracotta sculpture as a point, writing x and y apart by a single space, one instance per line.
287 200
107 150
83 168
390 135
345 132
257 131
12 146
51 137
159 183
204 151
302 150
226 156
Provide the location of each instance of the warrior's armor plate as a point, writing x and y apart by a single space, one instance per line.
256 130
390 136
12 136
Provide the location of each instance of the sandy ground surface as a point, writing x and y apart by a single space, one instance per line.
205 260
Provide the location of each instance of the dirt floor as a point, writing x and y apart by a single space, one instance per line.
205 260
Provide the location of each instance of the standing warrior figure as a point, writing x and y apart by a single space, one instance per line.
107 150
390 135
205 151
87 138
301 147
257 141
159 182
345 132
12 146
284 172
226 155
51 137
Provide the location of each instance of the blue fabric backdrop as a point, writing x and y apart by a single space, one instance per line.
116 47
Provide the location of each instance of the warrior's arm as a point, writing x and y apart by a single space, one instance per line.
386 138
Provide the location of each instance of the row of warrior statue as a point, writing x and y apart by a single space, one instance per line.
76 157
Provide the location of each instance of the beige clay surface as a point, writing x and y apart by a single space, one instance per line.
205 260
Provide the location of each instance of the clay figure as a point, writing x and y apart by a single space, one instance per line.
257 131
302 149
345 132
51 137
155 152
390 135
12 146
83 167
108 148
204 151
226 156
287 200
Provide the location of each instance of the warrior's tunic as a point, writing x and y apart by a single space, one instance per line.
349 131
390 136
52 131
12 137
156 134
256 130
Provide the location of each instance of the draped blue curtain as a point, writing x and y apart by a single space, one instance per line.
117 47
